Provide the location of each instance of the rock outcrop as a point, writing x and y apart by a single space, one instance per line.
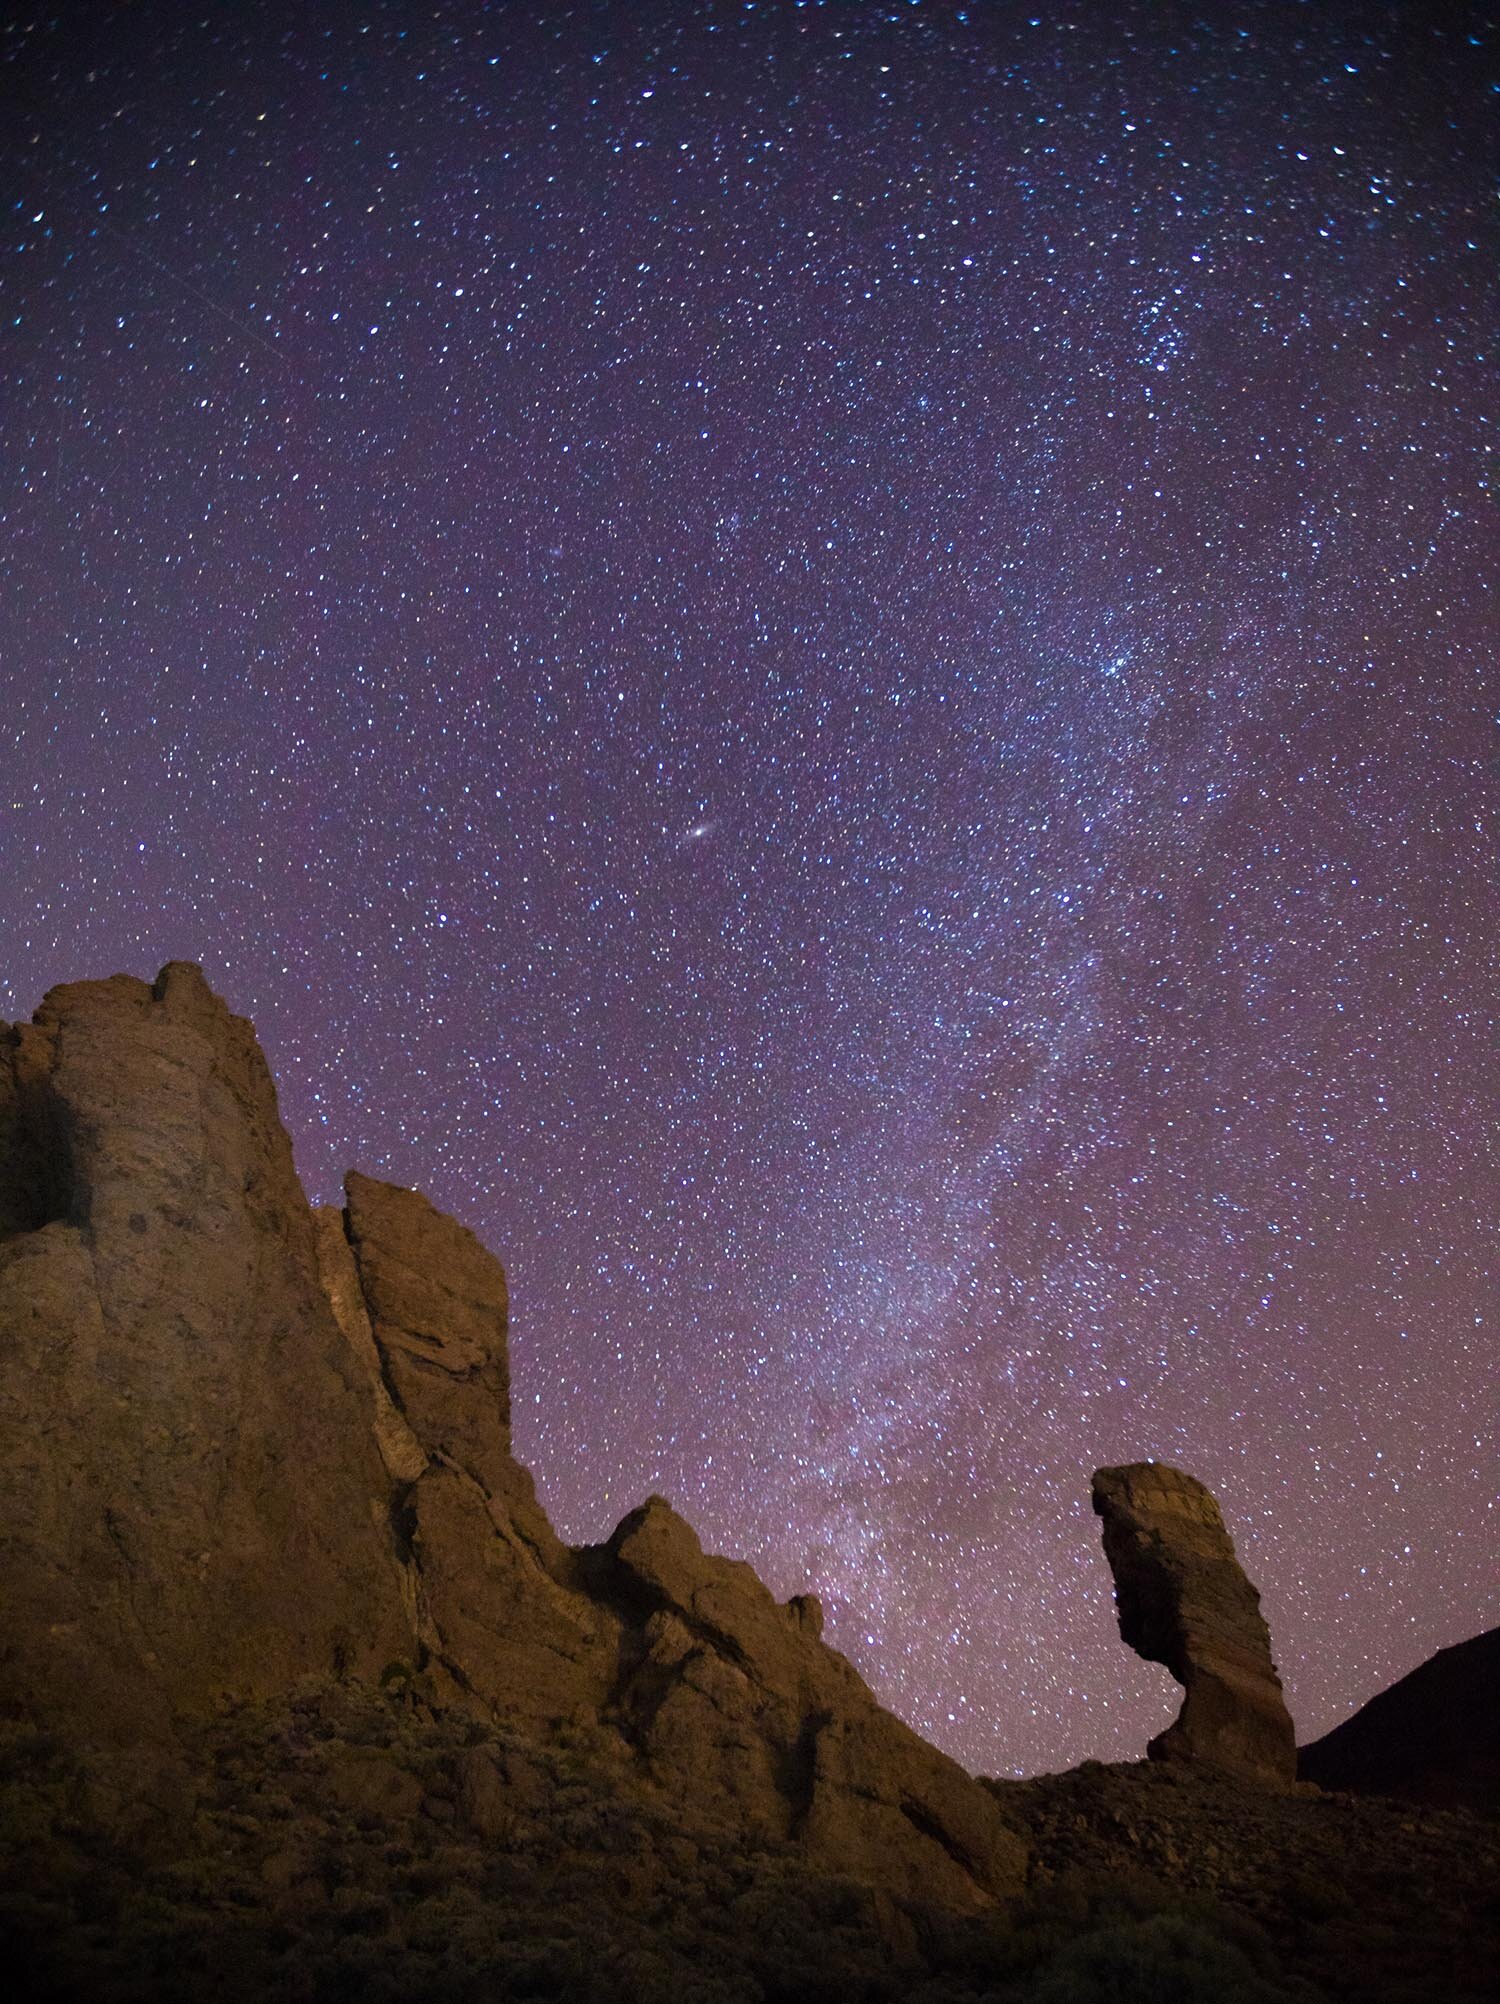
732 1695
725 1695
185 1487
1185 1601
243 1444
1433 1737
499 1610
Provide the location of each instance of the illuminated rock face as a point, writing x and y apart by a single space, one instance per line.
732 1697
1185 1601
243 1443
499 1612
185 1477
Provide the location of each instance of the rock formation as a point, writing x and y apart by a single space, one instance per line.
725 1695
1184 1601
328 1700
498 1607
1433 1737
733 1693
185 1493
242 1444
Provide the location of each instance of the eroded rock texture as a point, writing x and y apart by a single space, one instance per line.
187 1489
1185 1601
733 1695
243 1443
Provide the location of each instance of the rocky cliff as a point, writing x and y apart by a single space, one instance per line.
190 1491
243 1443
301 1694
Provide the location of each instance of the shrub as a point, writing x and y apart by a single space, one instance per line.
1165 1959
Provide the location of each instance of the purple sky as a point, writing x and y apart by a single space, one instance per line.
832 667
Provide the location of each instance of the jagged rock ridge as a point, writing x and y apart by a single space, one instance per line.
243 1444
333 1704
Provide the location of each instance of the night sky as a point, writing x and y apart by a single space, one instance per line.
832 667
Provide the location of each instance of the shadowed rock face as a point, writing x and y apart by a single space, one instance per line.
243 1443
1433 1737
1184 1601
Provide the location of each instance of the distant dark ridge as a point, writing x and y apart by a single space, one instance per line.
1434 1737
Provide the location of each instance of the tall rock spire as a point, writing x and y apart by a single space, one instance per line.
1184 1601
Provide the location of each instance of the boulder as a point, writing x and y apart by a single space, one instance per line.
1184 1601
367 1783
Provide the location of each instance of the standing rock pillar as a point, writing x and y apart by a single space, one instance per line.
1184 1601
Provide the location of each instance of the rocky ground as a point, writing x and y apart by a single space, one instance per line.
1363 1898
353 1843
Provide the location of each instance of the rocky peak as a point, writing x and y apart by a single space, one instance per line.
1185 1601
186 1502
733 1693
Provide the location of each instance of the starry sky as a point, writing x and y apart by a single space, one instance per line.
832 667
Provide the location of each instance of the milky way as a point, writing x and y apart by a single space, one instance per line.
832 668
